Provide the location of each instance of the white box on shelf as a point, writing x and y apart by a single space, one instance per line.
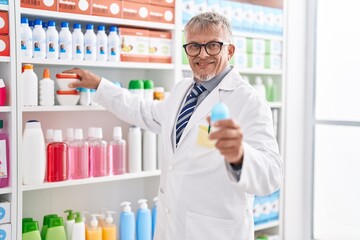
273 47
225 9
5 231
248 17
4 211
240 44
273 61
237 16
200 6
258 46
259 19
258 61
242 60
188 10
269 20
278 23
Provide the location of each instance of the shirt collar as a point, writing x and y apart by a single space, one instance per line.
213 82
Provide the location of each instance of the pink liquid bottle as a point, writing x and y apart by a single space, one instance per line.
117 153
78 156
97 155
57 159
4 157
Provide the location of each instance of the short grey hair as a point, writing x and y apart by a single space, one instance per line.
209 21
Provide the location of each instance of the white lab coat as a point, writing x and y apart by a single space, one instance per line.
198 198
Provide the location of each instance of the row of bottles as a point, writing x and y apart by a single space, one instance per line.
75 158
269 90
101 227
48 43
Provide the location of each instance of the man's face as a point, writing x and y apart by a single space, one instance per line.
205 66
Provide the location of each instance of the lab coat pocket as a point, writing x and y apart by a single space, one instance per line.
210 228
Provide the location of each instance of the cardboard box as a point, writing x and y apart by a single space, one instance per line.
5 231
164 3
259 19
240 44
4 45
106 8
269 20
273 61
161 14
139 1
4 22
243 60
5 2
135 11
134 44
4 212
160 49
50 5
273 47
226 9
248 17
237 16
75 6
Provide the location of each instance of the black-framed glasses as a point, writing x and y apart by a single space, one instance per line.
212 48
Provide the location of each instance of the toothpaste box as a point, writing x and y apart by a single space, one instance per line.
259 18
278 23
5 231
258 46
139 1
75 6
243 60
164 3
273 47
269 20
273 61
240 44
106 8
258 61
4 45
225 9
50 5
135 11
188 10
161 14
4 22
237 16
134 45
248 17
160 50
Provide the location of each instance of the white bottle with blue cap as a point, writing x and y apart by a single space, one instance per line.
52 41
39 40
219 112
26 36
114 45
101 45
65 42
77 43
90 43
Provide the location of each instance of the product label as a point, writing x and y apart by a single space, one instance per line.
3 158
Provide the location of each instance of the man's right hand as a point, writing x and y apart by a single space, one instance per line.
87 79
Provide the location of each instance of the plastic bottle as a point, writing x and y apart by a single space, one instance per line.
78 231
78 157
127 223
56 230
271 90
97 155
49 137
26 38
29 82
137 87
101 45
39 40
114 45
143 221
46 222
57 159
2 93
134 147
91 134
102 217
77 43
69 135
117 153
84 96
219 112
33 153
259 86
46 89
52 41
31 231
69 223
153 217
92 93
109 228
90 43
93 232
65 42
4 156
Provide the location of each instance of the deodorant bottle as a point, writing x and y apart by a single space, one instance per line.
65 42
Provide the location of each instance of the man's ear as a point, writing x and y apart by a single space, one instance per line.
231 51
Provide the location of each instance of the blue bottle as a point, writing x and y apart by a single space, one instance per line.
153 217
219 112
143 221
127 223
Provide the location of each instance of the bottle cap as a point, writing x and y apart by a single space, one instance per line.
31 23
38 22
109 218
1 123
32 124
79 134
101 28
136 84
126 206
219 112
24 20
44 25
134 129
46 219
2 83
143 204
49 133
258 80
56 222
24 220
113 29
77 26
30 226
78 217
155 200
64 24
98 133
94 222
89 27
67 75
70 215
57 135
83 90
69 134
91 132
148 84
46 73
117 133
28 66
51 23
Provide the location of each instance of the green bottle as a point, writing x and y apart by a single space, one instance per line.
46 221
30 230
56 230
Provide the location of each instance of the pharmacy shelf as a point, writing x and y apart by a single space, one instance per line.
68 183
98 19
258 36
131 65
267 225
4 59
5 109
4 7
5 190
186 67
62 108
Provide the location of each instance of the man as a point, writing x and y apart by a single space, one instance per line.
205 192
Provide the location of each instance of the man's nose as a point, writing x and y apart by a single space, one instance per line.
203 52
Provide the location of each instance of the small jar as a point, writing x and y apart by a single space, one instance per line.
85 98
159 93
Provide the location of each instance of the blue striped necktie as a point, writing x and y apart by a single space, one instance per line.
187 110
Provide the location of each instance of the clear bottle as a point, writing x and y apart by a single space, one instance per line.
46 89
29 82
114 45
134 147
26 36
52 41
97 155
39 40
93 232
84 96
259 86
90 43
78 156
4 156
117 153
109 228
57 159
101 45
77 43
33 153
65 42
